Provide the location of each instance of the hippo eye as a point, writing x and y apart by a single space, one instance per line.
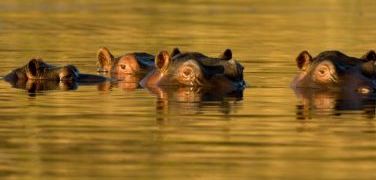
323 70
325 73
187 72
123 66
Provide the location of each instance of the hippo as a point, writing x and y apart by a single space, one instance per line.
196 70
131 63
336 71
37 70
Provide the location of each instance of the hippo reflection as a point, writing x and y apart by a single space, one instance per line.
130 83
314 102
193 100
337 71
194 69
37 75
35 86
194 94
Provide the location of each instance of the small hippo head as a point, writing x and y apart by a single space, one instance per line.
195 69
37 69
131 63
335 70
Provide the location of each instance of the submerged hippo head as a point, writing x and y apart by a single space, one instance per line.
37 69
131 63
196 69
335 70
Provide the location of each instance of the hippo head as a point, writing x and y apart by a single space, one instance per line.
37 69
335 70
131 63
195 69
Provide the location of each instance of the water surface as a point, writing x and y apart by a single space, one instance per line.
269 132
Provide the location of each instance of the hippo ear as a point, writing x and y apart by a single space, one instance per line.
370 55
33 66
175 52
303 60
226 55
105 59
162 61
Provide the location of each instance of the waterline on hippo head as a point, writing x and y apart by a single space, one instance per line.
189 94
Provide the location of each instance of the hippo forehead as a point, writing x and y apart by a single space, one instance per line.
189 55
340 61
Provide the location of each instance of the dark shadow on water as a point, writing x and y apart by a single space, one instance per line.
315 102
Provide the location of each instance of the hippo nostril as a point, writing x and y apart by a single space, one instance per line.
364 90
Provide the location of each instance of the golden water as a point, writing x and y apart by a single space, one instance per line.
271 132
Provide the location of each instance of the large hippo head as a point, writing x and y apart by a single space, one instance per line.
196 69
37 69
335 70
128 64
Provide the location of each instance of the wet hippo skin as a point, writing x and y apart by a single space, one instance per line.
336 71
38 70
197 70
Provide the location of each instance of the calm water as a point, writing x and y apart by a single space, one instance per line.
102 131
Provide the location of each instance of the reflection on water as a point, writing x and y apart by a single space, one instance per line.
192 100
325 102
126 82
35 86
116 129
